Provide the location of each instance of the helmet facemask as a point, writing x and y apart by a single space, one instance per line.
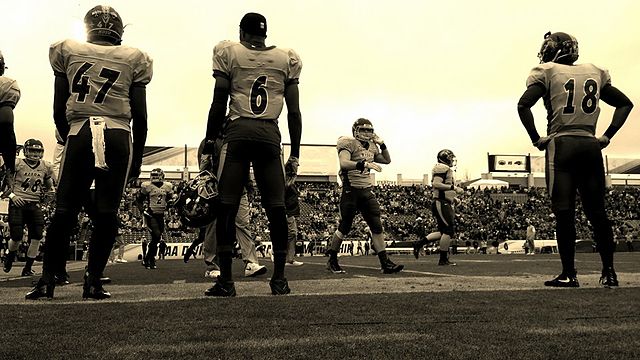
33 150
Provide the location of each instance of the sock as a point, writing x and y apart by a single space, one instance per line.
444 255
29 263
225 260
279 260
382 256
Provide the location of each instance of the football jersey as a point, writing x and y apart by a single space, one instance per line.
29 180
99 78
158 195
258 77
9 92
356 178
573 94
444 172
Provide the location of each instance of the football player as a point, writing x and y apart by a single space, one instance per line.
571 94
252 267
359 155
9 96
154 198
99 104
32 177
258 80
444 191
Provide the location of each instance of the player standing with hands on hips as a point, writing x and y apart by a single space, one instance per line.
571 94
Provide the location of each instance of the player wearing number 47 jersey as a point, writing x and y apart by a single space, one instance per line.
99 103
571 94
259 79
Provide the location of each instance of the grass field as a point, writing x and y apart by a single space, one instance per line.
487 307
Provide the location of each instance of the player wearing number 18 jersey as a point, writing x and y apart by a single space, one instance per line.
99 103
571 94
258 79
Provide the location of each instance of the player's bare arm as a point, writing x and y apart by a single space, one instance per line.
138 97
347 164
294 120
217 112
614 97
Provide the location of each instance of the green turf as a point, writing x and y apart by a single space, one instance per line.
422 317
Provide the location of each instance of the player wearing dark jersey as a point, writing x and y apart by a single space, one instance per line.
99 103
153 199
258 80
571 94
359 155
9 96
32 177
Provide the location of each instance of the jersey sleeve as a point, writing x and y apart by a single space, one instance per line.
605 78
295 67
143 69
538 75
57 57
221 58
440 170
144 188
345 143
9 93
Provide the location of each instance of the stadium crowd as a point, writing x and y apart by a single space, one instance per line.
490 214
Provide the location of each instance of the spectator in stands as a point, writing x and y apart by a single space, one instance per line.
629 240
162 249
483 246
530 242
359 249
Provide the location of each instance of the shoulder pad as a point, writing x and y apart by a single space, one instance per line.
346 143
440 168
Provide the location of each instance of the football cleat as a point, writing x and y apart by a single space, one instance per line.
105 280
253 269
221 288
28 272
609 278
96 292
41 290
212 274
389 267
334 267
563 280
279 286
446 263
294 263
8 261
416 250
62 279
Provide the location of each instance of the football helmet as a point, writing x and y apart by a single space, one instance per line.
104 22
33 150
198 199
447 157
558 47
2 65
156 175
362 129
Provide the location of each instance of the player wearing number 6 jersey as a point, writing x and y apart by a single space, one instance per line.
32 177
259 79
571 94
99 103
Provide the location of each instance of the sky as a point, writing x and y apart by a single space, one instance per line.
429 75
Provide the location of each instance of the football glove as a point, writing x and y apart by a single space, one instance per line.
291 167
542 142
377 139
372 166
604 141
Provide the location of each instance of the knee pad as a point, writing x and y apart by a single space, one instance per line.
33 249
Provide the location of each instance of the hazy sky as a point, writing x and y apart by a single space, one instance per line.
429 75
